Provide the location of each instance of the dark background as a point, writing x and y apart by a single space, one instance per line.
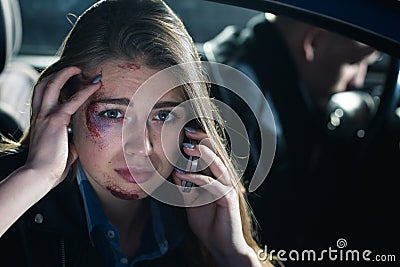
46 22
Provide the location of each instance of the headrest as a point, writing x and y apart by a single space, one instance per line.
10 30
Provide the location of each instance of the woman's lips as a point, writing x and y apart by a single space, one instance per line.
134 176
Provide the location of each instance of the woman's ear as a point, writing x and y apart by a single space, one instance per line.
310 42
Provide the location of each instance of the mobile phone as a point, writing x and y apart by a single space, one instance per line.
191 165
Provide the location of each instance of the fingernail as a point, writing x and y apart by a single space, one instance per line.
189 129
179 170
187 145
97 79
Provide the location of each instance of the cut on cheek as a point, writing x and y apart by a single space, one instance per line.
92 123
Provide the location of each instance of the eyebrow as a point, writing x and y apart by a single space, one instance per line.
166 104
117 101
125 102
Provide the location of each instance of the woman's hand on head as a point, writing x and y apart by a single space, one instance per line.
50 153
217 224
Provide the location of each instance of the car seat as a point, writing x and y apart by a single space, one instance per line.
16 78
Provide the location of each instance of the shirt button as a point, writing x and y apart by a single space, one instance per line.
110 234
38 218
124 260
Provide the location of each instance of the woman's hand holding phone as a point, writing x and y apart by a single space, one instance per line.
217 224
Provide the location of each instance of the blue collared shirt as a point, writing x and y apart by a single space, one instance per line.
161 234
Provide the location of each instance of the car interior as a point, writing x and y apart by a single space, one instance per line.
10 30
31 32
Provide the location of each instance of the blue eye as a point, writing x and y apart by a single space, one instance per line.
112 114
164 115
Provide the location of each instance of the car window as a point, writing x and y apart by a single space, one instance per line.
46 22
205 19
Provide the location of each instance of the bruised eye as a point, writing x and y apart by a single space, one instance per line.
112 114
164 116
